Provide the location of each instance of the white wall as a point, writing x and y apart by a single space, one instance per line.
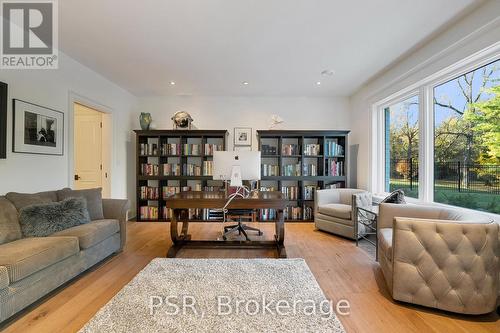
51 88
255 112
469 35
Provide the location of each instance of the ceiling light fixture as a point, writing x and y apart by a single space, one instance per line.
327 72
172 83
245 83
318 83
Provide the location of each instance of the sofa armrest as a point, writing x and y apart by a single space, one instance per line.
4 277
446 264
388 211
117 209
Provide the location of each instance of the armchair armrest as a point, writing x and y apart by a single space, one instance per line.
446 264
117 209
4 277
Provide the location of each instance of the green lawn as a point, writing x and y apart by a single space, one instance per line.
479 200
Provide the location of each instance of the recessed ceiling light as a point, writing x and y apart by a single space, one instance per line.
327 72
318 83
245 83
172 83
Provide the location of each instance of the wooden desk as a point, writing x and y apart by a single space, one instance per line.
185 200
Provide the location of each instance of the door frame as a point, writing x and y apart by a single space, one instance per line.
107 135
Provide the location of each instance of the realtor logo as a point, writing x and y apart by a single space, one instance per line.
29 35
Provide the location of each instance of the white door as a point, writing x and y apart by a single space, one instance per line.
88 147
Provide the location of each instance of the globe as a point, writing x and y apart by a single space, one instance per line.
182 119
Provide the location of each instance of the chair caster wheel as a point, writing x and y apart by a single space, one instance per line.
260 233
224 237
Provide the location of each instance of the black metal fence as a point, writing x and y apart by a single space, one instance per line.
451 176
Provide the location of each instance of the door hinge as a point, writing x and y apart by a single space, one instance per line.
101 124
101 166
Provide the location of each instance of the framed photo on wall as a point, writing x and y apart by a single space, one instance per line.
3 120
37 129
242 136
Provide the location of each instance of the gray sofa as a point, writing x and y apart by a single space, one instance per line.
32 267
440 257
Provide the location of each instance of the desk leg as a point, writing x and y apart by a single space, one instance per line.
280 234
177 240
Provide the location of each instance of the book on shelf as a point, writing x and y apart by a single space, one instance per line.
148 213
208 168
148 169
149 193
170 149
310 170
335 167
267 214
192 170
291 170
307 212
171 169
270 170
268 189
210 148
293 213
169 191
308 192
191 149
332 148
148 149
290 192
312 149
289 149
268 150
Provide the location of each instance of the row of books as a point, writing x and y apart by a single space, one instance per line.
191 170
335 168
210 148
267 214
149 193
332 148
310 170
191 149
148 169
270 170
290 192
208 168
268 150
148 149
308 192
290 149
171 169
148 213
291 170
298 213
170 149
312 149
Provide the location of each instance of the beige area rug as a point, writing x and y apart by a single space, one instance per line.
219 295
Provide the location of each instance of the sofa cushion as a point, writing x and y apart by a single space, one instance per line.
44 219
21 200
26 256
337 210
9 223
93 197
385 241
92 233
4 277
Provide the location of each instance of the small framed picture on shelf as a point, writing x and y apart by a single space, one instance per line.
242 136
37 129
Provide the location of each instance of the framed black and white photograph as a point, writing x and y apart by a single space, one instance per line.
3 120
242 136
37 129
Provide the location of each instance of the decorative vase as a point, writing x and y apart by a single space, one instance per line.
145 120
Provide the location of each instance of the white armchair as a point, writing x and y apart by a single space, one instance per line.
335 209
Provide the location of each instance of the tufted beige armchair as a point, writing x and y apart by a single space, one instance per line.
335 209
438 257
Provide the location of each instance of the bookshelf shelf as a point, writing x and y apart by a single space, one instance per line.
322 153
178 152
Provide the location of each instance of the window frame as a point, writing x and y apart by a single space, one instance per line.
425 90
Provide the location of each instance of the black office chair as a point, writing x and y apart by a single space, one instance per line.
241 228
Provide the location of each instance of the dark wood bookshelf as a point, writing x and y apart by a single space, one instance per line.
180 137
321 159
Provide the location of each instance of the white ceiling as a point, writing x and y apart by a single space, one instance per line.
209 47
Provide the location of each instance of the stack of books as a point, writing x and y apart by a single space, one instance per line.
170 149
149 193
291 170
290 149
311 149
192 170
208 168
290 192
310 170
270 170
309 192
149 169
210 148
148 213
191 149
171 169
147 149
332 148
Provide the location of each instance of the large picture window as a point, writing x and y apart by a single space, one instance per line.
401 146
467 140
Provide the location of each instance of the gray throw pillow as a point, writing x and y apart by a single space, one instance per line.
93 197
396 197
42 220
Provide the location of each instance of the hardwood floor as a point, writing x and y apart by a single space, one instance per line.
342 270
